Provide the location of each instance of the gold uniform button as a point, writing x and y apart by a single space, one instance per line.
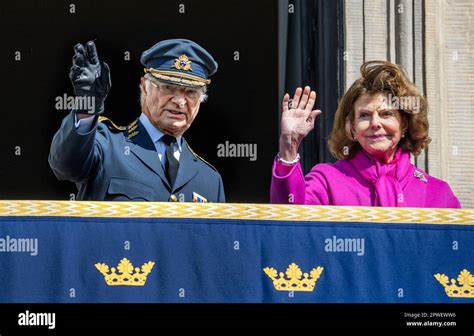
173 198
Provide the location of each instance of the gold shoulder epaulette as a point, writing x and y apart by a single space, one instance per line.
200 158
111 125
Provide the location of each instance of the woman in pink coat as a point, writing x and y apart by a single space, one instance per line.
380 120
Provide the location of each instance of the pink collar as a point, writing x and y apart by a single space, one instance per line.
389 179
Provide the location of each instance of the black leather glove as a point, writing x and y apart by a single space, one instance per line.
90 78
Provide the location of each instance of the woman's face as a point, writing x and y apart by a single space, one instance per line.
377 128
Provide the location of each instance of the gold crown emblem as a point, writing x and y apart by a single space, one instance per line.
466 288
182 63
296 280
128 276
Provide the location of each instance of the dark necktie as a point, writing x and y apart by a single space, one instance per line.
172 165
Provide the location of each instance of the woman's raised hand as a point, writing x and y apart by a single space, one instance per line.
297 120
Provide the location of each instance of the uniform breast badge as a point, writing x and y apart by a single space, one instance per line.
198 198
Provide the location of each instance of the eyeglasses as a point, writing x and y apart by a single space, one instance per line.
170 89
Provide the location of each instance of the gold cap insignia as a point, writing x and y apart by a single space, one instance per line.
465 280
296 280
126 275
182 63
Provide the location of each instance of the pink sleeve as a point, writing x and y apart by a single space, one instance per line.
453 201
289 186
440 195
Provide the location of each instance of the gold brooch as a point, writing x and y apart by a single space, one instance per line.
420 175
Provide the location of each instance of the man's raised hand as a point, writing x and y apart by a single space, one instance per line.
89 76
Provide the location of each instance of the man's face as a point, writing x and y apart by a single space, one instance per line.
170 108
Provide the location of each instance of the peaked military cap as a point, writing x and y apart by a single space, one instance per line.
179 61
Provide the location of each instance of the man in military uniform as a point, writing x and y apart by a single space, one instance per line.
149 160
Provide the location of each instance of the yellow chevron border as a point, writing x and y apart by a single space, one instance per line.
236 211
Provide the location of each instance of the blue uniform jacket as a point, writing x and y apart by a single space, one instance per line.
114 163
